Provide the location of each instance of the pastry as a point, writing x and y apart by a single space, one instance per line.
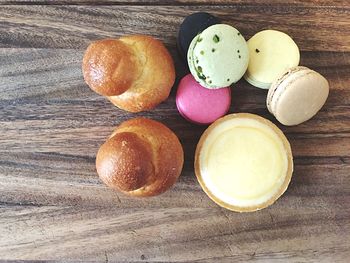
218 56
135 73
200 105
191 27
141 158
297 95
271 52
243 162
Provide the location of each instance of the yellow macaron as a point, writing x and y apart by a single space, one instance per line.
271 52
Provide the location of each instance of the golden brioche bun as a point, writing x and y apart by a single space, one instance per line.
141 158
135 73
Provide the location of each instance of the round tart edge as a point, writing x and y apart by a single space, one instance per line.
281 189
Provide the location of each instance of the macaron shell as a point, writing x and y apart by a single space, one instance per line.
271 52
278 86
200 105
219 56
191 27
301 98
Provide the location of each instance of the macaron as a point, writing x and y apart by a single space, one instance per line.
200 105
191 27
271 52
297 95
243 162
218 56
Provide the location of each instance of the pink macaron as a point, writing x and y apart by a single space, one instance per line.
201 105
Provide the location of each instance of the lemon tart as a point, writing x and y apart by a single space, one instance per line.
243 162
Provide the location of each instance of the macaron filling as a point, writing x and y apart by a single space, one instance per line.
195 68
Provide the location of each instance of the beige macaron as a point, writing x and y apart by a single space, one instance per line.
297 95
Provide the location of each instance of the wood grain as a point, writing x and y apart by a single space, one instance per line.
54 207
75 26
327 3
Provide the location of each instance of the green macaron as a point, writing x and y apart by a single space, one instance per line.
218 56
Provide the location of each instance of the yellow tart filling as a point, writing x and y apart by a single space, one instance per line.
243 162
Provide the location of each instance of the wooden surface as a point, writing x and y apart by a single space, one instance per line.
54 207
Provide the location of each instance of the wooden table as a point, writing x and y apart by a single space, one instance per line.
54 207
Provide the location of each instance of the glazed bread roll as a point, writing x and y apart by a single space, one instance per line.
141 158
135 73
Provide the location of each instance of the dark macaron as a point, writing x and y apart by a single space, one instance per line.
190 27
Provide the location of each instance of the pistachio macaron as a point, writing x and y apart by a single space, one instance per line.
218 56
297 95
271 52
